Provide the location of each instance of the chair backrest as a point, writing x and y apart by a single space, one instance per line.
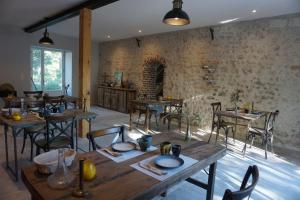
245 191
118 130
53 103
175 107
35 95
271 121
59 125
217 106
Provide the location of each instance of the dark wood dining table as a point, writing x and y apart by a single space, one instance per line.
29 120
115 181
248 117
148 104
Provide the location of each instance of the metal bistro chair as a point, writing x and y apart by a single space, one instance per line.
118 131
63 134
226 126
54 103
33 106
173 111
244 191
141 108
265 133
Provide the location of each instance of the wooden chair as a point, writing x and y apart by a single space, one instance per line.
118 130
226 126
265 133
173 111
244 191
63 134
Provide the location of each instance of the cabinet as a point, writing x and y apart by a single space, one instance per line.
101 97
115 98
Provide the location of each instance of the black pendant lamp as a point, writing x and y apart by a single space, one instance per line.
46 40
177 17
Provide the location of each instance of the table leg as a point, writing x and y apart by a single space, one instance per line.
6 145
246 138
90 129
188 131
146 123
15 154
130 120
76 135
211 181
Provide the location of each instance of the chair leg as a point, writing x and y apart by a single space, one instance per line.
212 129
24 141
31 147
233 134
226 137
138 122
266 147
179 123
245 146
252 139
156 121
169 123
38 151
271 143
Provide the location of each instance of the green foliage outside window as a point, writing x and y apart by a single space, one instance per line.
47 73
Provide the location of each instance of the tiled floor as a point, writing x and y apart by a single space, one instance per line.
279 178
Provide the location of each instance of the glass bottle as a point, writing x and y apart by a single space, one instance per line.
62 177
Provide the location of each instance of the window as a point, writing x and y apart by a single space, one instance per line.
48 69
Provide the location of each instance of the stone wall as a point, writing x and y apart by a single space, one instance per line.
261 57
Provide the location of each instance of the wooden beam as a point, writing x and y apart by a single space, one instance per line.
85 43
66 14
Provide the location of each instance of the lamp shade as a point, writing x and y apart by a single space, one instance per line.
176 17
46 40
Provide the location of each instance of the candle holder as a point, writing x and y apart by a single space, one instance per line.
80 192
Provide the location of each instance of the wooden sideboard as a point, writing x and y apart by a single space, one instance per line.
115 98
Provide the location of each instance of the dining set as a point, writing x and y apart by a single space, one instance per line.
228 120
141 169
49 122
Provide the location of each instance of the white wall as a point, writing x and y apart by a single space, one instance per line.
15 59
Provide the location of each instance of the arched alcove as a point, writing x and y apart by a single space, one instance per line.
153 77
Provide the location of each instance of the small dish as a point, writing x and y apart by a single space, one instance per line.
123 146
168 161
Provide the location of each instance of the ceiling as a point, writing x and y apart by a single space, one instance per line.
124 19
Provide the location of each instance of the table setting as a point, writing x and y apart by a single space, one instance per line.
122 151
166 164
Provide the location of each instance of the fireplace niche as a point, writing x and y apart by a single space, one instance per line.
153 77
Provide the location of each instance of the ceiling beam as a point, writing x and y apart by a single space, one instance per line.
66 14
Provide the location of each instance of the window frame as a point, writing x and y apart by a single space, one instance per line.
43 67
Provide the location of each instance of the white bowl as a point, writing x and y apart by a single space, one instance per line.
47 162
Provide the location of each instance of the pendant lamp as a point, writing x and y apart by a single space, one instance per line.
177 17
46 40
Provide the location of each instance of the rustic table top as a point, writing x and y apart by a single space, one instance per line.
28 120
32 119
115 181
242 115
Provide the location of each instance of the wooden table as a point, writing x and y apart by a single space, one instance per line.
17 127
248 117
31 120
148 104
117 181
